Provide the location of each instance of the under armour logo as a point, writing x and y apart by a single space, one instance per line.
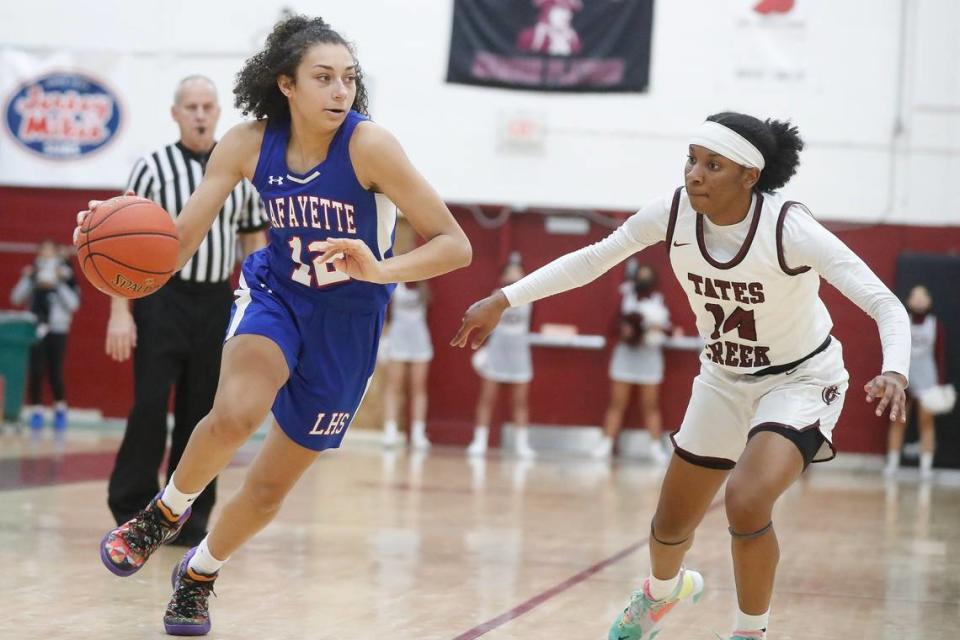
275 180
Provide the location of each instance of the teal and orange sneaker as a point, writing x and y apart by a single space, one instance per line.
642 617
125 550
188 612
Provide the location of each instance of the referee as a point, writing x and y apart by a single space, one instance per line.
176 334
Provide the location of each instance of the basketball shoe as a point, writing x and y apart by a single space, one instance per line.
188 613
642 617
125 550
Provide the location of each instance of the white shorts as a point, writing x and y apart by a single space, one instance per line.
726 407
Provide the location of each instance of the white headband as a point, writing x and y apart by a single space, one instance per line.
728 143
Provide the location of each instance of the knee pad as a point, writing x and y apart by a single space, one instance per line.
653 534
748 536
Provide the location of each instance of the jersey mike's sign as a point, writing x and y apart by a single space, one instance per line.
552 45
63 115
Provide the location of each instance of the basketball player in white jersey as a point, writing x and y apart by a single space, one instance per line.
772 380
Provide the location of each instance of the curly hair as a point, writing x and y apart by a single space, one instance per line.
778 141
256 89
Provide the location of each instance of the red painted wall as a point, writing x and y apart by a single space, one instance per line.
570 386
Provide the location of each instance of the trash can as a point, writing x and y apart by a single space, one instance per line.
18 331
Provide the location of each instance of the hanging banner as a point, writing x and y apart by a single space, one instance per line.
552 45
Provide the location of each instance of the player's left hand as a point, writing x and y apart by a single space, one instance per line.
889 388
354 258
91 205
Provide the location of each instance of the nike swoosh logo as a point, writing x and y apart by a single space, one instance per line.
680 244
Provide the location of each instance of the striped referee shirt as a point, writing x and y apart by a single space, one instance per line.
168 176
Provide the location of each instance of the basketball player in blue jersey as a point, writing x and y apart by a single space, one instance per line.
302 339
772 379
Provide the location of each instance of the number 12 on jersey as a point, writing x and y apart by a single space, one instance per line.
323 274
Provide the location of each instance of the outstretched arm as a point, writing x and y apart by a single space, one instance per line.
806 242
646 227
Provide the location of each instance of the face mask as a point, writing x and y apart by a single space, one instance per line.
642 287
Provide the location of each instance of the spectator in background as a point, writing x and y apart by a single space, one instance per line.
409 349
927 370
49 290
638 361
506 360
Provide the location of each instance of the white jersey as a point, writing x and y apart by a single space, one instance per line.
784 310
753 310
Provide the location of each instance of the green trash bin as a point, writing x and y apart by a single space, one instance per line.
18 330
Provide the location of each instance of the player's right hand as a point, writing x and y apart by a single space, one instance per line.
121 335
482 316
91 205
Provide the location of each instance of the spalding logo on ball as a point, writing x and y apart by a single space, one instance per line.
128 246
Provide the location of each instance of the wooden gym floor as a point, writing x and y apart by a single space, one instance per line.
376 545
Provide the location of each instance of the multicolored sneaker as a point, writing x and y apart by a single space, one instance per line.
126 549
187 613
641 619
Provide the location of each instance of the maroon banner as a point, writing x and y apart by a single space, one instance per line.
552 45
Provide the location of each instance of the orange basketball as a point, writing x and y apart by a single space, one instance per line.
128 247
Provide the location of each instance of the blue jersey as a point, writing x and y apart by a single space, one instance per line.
326 325
325 202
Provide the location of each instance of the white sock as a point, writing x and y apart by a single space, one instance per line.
660 589
418 429
523 437
480 433
390 429
203 561
893 459
747 622
176 500
926 461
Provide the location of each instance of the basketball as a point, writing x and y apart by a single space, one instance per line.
128 247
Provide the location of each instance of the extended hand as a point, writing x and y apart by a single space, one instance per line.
482 316
354 258
889 387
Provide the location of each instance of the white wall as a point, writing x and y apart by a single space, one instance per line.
841 84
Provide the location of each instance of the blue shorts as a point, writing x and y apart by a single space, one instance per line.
330 348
